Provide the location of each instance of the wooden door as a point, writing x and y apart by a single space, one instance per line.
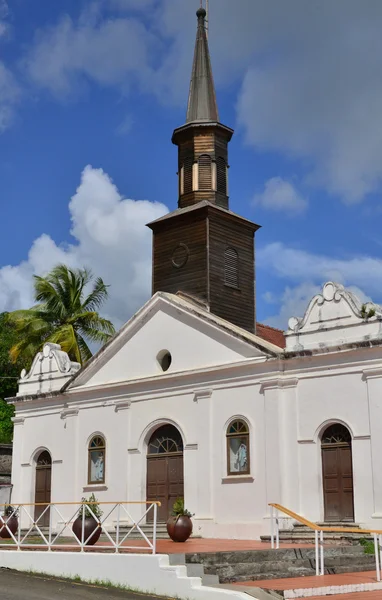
43 488
165 481
338 477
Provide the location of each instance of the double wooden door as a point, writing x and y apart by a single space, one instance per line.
338 482
165 482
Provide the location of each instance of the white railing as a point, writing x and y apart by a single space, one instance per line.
319 537
53 527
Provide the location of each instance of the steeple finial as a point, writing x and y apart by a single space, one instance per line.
202 105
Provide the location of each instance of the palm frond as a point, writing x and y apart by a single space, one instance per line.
97 296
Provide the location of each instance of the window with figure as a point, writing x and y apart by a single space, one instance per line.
238 448
96 466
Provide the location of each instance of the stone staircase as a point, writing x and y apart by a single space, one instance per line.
301 534
254 565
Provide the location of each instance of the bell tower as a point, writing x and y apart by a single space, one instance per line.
203 141
202 249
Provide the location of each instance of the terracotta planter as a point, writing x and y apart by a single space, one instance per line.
12 523
179 528
90 525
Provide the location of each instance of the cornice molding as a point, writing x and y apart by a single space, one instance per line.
122 405
202 394
18 420
278 384
191 447
372 373
69 412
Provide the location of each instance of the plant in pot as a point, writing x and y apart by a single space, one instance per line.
9 522
87 526
179 525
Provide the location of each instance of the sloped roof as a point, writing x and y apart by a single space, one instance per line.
271 334
202 104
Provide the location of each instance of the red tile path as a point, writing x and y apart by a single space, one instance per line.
169 547
297 583
208 545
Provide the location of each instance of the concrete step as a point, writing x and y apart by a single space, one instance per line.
194 570
231 567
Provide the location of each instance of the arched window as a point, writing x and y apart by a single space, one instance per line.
44 459
221 167
336 434
231 268
165 440
238 448
187 175
96 460
205 172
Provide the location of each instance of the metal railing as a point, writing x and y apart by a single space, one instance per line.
319 537
51 529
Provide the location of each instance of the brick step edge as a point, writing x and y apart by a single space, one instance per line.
331 590
298 572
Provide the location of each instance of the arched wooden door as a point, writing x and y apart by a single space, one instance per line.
165 480
43 487
337 474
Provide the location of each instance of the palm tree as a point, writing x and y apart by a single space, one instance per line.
63 315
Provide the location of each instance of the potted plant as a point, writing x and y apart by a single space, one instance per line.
87 526
179 526
9 522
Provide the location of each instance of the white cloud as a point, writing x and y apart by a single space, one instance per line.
111 239
311 85
306 272
131 4
111 52
9 96
281 195
299 265
315 93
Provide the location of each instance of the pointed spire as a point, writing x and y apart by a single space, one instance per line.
202 105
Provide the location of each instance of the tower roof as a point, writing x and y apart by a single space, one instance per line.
202 104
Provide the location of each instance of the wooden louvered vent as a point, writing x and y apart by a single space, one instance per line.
205 172
221 175
187 176
231 268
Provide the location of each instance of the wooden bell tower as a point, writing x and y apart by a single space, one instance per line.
203 249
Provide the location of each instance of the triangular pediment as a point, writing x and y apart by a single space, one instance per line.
193 337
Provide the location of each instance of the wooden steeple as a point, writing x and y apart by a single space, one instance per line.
203 249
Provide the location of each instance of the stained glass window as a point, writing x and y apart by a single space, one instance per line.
238 448
96 467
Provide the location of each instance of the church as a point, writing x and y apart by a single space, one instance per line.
192 398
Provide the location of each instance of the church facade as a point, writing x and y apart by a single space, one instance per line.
193 399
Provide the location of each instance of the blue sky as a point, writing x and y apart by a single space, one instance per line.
90 92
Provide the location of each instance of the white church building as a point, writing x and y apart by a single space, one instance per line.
192 398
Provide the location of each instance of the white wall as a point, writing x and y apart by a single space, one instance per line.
286 412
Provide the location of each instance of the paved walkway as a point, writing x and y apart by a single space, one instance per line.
20 586
192 546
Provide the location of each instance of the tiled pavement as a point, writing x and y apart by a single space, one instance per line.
195 545
293 583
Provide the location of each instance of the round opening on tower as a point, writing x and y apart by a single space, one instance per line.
164 360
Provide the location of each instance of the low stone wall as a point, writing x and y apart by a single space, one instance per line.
151 574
